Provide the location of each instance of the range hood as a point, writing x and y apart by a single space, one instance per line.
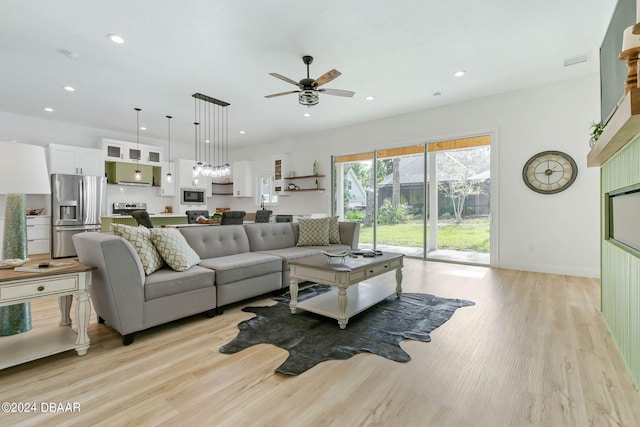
134 183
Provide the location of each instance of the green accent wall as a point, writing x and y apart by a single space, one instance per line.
620 269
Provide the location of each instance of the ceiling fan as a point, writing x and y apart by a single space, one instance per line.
309 93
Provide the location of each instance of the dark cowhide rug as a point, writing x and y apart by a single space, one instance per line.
310 338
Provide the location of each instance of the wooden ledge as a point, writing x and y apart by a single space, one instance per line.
622 128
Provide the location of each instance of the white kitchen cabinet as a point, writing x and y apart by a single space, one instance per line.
281 170
113 150
131 152
168 188
185 173
38 234
186 179
74 160
152 155
242 178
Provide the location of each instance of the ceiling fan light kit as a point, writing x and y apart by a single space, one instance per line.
309 93
308 98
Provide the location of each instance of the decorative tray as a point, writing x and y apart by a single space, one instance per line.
336 254
12 263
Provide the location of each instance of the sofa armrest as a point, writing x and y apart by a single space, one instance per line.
349 233
117 290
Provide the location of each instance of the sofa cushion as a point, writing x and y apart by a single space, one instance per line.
232 268
166 281
288 254
174 249
140 239
216 240
263 237
313 231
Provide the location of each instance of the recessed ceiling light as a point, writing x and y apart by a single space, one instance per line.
207 141
242 132
143 128
307 114
459 73
48 109
115 38
370 98
69 88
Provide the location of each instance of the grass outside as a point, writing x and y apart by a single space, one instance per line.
470 235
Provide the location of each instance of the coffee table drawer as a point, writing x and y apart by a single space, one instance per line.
376 270
48 287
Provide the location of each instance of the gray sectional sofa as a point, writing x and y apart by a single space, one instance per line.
237 262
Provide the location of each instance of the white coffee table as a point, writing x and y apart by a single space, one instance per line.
351 295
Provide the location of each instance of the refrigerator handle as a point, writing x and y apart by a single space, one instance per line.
81 201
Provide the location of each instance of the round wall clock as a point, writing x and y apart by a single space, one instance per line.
549 172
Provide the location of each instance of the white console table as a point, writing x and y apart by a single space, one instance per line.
61 282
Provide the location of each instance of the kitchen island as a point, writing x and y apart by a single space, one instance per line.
158 220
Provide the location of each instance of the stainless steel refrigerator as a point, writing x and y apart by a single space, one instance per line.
77 205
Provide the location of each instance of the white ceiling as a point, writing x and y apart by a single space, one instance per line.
400 52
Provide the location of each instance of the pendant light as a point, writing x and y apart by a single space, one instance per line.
215 122
169 176
138 173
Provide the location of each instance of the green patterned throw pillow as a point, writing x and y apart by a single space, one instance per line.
334 230
174 249
313 232
139 237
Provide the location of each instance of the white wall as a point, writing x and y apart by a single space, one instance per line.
553 233
548 233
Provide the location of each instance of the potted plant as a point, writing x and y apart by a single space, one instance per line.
596 131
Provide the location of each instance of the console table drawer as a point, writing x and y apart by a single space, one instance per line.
376 270
46 287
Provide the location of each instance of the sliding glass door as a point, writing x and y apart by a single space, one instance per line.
459 185
428 201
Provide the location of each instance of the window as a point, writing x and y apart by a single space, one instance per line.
266 195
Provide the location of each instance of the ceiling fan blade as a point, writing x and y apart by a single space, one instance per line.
281 93
337 92
286 79
327 77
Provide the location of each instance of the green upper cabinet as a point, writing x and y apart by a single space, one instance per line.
124 173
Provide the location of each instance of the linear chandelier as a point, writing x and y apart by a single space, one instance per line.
211 140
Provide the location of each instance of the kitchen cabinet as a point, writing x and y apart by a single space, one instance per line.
152 155
185 173
242 178
222 188
131 152
160 173
113 150
281 170
38 234
124 173
74 160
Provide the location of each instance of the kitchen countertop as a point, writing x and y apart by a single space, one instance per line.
158 215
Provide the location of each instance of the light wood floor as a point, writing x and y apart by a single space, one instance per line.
534 350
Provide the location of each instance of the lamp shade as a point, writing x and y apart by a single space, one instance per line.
23 169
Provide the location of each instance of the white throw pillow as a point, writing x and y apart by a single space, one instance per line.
140 239
313 232
174 249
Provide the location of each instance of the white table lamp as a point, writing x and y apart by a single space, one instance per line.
23 170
